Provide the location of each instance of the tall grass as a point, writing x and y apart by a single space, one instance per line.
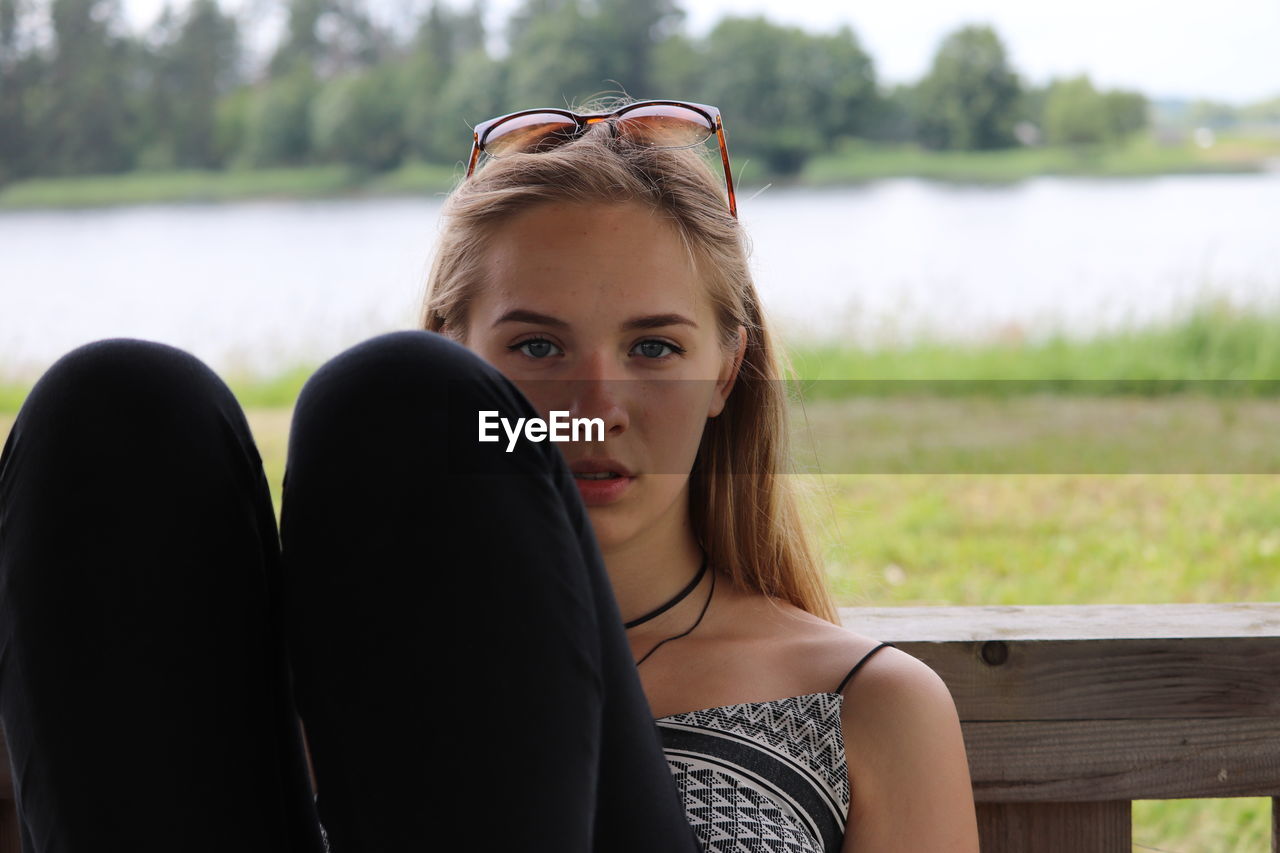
1211 340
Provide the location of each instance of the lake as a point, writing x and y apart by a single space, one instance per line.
256 286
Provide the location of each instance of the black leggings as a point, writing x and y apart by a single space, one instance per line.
435 610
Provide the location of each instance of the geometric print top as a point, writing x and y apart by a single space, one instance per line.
763 777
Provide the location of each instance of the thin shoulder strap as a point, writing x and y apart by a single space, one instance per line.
859 664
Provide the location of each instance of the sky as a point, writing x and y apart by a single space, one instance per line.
1224 50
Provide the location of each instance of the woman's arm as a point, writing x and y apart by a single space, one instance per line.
908 773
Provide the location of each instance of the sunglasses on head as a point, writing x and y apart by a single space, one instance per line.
657 124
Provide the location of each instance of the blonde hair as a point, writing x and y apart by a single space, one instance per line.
743 509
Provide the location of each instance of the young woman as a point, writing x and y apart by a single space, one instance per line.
445 616
595 262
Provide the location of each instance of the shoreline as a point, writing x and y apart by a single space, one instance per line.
854 163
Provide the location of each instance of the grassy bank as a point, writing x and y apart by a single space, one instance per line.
856 161
205 186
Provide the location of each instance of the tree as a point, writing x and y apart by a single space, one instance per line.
440 50
301 42
563 51
356 118
1076 113
277 123
22 74
627 33
1127 112
841 90
91 110
969 98
1073 113
678 65
786 94
473 93
555 59
329 37
891 116
193 70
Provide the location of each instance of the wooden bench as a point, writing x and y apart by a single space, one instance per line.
1072 712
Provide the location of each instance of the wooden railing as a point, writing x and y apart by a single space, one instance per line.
1071 713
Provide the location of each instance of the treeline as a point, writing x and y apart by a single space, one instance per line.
80 93
1219 115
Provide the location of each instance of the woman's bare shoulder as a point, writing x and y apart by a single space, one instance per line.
815 650
893 702
905 754
908 772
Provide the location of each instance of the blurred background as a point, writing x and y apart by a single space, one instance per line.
1084 193
940 171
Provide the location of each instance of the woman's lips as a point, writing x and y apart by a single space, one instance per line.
601 492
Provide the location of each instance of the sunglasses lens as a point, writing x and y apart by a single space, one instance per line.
665 126
529 133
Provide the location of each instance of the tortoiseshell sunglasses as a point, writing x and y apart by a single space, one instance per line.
658 124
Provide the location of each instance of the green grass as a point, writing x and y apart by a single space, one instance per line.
984 539
1241 825
1210 340
196 186
858 160
178 187
234 185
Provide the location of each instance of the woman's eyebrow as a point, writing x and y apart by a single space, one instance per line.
654 321
651 321
521 315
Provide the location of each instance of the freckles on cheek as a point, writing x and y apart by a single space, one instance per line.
681 426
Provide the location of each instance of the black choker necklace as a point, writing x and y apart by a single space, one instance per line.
680 596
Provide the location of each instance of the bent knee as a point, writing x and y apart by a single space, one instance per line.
400 368
405 355
124 386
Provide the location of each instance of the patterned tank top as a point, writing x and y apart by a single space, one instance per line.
764 777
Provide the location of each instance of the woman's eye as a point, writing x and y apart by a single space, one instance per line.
541 348
537 347
653 349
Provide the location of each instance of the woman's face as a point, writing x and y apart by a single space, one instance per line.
596 310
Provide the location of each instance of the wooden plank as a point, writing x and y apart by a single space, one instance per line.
1064 622
1081 761
1108 679
1098 827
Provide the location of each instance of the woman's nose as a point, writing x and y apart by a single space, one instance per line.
599 389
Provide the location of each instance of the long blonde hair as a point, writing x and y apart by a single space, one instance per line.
743 509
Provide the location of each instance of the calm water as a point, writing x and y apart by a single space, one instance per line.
259 285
